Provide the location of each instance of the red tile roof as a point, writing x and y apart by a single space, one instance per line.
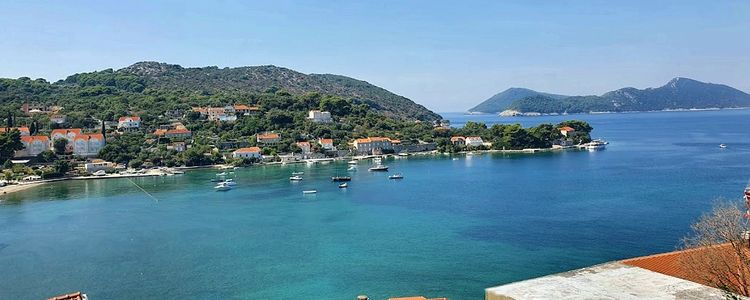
134 118
457 138
248 150
268 136
31 138
325 141
21 129
567 128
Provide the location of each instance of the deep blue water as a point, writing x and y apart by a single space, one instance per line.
451 228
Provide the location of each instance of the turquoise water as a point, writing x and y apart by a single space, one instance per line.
451 228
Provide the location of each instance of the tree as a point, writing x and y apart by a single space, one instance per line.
10 142
59 145
33 128
46 156
10 120
722 254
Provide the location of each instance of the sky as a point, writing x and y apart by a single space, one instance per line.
448 56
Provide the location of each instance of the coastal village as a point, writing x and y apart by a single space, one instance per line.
52 149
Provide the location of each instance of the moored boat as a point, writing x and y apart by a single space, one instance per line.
295 178
298 173
396 176
352 162
222 186
230 182
596 145
343 185
722 146
309 192
379 168
340 178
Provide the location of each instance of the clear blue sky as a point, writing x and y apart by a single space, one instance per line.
445 55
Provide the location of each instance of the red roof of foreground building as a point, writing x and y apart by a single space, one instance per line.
134 118
567 128
672 263
71 296
29 139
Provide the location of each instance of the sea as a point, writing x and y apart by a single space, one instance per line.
453 226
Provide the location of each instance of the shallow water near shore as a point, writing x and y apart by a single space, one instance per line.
450 228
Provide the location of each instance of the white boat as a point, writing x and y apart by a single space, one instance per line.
309 192
236 168
596 145
379 168
403 154
343 185
352 168
178 172
222 186
352 162
221 174
99 173
230 182
722 146
297 173
396 176
295 178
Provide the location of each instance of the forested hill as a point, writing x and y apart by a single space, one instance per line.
678 93
500 101
155 87
263 78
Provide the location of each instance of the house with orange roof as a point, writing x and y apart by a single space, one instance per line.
88 144
69 134
249 152
129 123
373 145
458 140
326 144
33 145
246 109
268 138
305 146
567 130
24 130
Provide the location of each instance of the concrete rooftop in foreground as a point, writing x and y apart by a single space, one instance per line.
613 280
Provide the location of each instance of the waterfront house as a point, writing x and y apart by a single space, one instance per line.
268 138
326 144
88 144
58 119
567 131
97 165
458 141
250 152
24 130
129 124
33 145
474 141
305 146
69 134
319 116
373 145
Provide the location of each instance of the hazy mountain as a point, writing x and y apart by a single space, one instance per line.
678 93
500 101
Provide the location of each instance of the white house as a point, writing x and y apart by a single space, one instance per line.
129 123
250 152
305 146
98 165
33 145
474 141
319 116
88 144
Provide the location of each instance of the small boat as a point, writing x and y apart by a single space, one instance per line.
99 173
379 168
403 154
298 173
343 185
352 168
236 168
222 186
722 146
230 182
295 178
352 162
221 174
396 176
596 145
178 172
340 178
309 192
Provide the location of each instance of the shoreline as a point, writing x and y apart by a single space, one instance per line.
537 114
22 186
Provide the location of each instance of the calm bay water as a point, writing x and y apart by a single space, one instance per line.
451 228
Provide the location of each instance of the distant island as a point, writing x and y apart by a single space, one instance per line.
678 94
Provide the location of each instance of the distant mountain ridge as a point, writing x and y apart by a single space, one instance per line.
502 100
678 93
262 78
